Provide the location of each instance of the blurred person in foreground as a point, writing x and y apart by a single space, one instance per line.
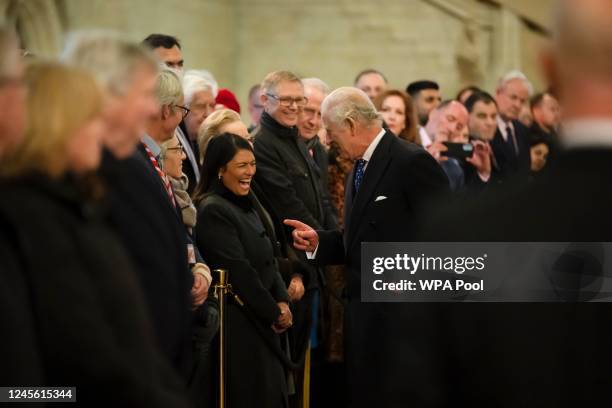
92 325
137 211
547 353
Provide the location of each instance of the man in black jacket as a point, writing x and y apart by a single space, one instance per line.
511 142
143 221
288 175
389 356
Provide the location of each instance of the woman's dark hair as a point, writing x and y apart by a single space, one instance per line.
220 151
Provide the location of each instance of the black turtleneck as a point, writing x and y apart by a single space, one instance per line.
270 123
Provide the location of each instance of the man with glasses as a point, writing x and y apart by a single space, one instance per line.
285 171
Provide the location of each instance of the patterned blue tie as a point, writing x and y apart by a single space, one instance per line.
359 171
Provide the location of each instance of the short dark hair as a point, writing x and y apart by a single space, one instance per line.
415 87
480 96
220 151
369 71
537 99
154 41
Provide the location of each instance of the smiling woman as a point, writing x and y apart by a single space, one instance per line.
236 233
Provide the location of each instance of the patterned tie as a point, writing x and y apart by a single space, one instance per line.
359 171
162 175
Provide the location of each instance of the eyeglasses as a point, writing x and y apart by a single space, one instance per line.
179 148
184 109
287 101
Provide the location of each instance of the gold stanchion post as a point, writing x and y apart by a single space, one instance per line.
221 290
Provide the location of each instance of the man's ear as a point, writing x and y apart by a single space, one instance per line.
352 125
166 111
263 99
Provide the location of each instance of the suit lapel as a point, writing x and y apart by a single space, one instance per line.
309 162
348 203
374 171
189 151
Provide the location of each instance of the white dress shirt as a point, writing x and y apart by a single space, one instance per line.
502 127
587 133
367 155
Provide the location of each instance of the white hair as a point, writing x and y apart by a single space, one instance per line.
198 80
111 59
317 84
349 103
168 89
512 76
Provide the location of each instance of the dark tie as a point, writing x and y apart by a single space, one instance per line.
359 171
511 140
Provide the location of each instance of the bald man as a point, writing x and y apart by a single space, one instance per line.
549 354
386 192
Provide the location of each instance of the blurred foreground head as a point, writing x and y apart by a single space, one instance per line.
578 64
65 129
127 73
12 91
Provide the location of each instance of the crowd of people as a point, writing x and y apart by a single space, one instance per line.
125 181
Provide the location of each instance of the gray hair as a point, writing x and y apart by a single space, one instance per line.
317 84
512 76
349 103
112 59
9 51
198 80
271 81
168 88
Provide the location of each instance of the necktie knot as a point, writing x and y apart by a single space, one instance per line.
359 171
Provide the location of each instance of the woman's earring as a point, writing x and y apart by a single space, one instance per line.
220 177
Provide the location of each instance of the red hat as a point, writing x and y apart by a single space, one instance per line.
227 98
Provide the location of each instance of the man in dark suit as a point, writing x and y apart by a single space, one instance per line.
511 142
388 189
135 211
547 354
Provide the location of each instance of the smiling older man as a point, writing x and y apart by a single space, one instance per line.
391 184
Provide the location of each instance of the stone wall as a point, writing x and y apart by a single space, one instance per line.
456 42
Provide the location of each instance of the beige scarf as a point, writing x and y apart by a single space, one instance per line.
183 200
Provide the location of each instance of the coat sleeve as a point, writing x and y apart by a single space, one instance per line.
273 178
217 237
331 248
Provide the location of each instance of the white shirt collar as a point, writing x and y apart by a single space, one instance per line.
596 132
502 125
370 150
152 145
425 139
